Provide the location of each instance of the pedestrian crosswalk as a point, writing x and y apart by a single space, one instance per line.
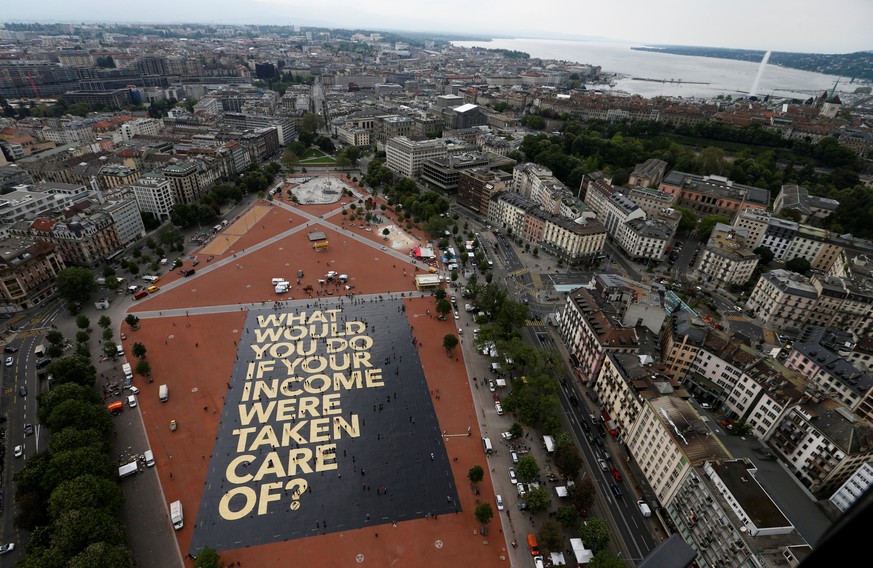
519 272
32 332
535 323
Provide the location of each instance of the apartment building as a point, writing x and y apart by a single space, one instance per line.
30 269
597 194
580 240
406 157
25 205
83 240
648 174
445 172
477 186
652 201
783 299
122 208
853 488
822 443
681 339
154 194
184 181
729 518
778 237
755 221
843 303
713 195
796 198
591 327
141 127
726 258
644 240
817 355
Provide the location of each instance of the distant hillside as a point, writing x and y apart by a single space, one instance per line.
858 65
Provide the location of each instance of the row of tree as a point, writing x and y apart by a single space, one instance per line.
67 494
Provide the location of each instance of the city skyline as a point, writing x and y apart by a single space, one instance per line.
778 25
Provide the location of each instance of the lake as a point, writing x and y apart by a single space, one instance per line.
701 76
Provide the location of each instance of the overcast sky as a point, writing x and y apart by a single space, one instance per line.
830 26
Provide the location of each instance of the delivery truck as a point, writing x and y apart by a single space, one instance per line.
128 469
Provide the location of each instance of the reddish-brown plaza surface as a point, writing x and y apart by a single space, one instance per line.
194 355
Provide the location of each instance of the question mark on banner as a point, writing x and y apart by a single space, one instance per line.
296 494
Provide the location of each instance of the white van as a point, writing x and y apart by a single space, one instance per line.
176 515
149 458
163 393
644 509
119 350
486 443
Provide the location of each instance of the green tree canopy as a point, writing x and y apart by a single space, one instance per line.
765 253
138 350
103 555
86 491
581 494
707 224
603 559
208 558
54 337
538 499
527 468
76 529
450 341
688 221
484 513
568 516
551 537
595 533
476 474
443 307
76 284
799 265
311 122
72 438
73 369
80 416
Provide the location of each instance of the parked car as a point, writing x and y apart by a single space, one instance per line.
499 503
7 548
9 361
498 408
492 386
522 506
514 456
10 349
512 477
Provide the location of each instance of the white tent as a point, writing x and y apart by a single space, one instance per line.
558 559
582 554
